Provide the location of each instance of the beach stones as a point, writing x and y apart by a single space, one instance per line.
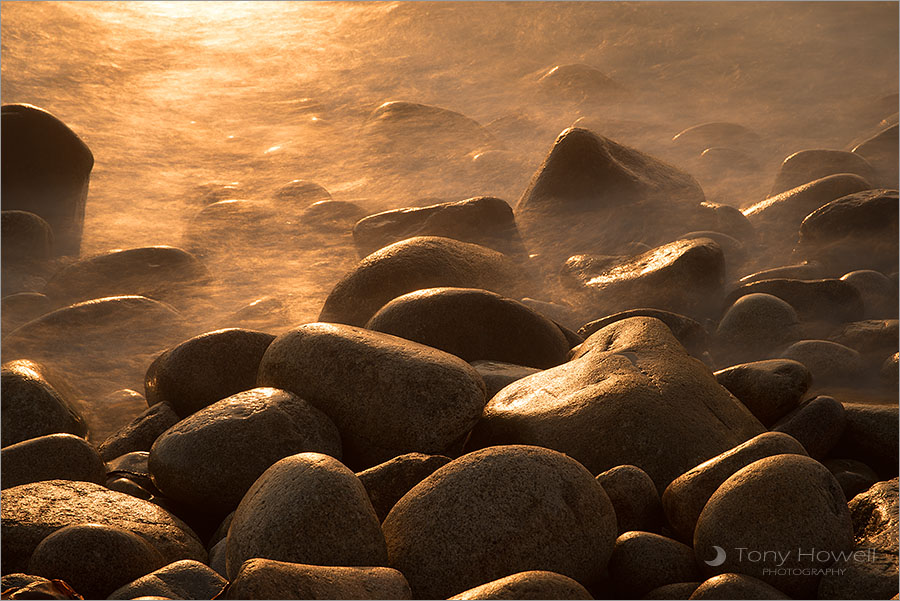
51 457
828 362
94 559
534 584
31 512
496 512
482 220
817 424
881 152
634 497
581 83
302 192
337 216
387 396
715 134
236 224
684 499
307 508
185 579
857 231
268 579
46 171
498 375
878 292
642 561
689 332
871 436
736 586
205 369
684 276
774 517
829 300
620 387
209 459
387 482
141 433
27 243
593 195
32 407
809 165
414 264
853 476
473 325
769 389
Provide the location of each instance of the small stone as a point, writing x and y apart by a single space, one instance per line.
828 362
817 424
634 498
185 579
736 586
684 499
753 327
51 457
769 389
141 433
642 561
536 584
498 375
809 165
386 483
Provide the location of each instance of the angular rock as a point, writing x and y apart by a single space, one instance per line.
141 433
209 459
307 508
826 300
267 579
51 457
684 499
387 396
642 562
736 586
810 165
871 436
414 264
32 407
388 482
31 512
474 325
185 579
535 584
205 369
497 375
496 512
634 498
689 332
817 424
94 559
881 152
853 476
782 507
621 386
482 220
828 362
769 389
46 170
878 292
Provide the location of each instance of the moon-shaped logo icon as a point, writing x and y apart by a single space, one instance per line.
719 558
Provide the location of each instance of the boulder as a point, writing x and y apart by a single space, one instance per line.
809 165
679 590
736 586
878 292
871 435
51 457
697 138
828 362
94 559
828 300
498 375
781 519
387 396
817 424
474 325
31 512
769 389
642 562
205 369
414 264
337 216
21 307
622 386
853 476
386 483
689 332
634 498
27 246
28 586
185 579
684 499
141 433
581 83
301 192
874 339
534 584
209 459
306 508
881 152
482 220
496 512
268 579
754 327
46 171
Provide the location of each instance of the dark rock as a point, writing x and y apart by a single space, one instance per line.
386 483
817 424
689 332
209 459
496 512
162 273
387 396
857 231
679 590
134 465
31 512
754 327
482 220
769 389
782 508
809 165
728 220
128 487
474 324
267 579
21 307
497 375
27 244
414 264
881 152
828 362
218 558
878 292
46 171
535 584
94 559
634 497
141 433
871 436
26 586
185 579
853 476
51 457
206 368
736 586
642 562
889 369
829 300
306 508
622 387
32 407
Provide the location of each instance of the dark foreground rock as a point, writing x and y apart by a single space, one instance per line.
51 457
634 497
387 482
535 584
185 579
769 389
642 561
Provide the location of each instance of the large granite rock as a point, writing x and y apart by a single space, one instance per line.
631 386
